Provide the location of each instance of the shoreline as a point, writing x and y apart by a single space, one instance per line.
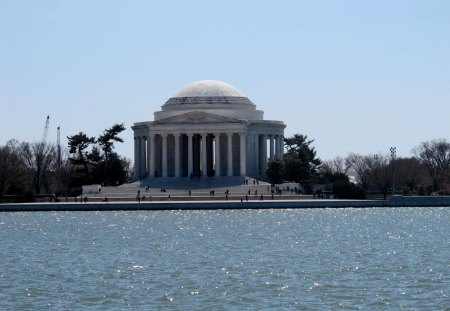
396 201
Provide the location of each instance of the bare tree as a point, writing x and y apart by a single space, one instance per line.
359 168
337 165
62 171
128 169
381 173
38 160
10 166
409 172
435 154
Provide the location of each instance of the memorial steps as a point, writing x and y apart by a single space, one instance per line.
178 189
186 183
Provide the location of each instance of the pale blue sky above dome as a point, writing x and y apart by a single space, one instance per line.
357 76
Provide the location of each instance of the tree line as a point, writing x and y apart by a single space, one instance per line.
29 169
426 171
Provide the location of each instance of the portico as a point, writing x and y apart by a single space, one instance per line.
201 132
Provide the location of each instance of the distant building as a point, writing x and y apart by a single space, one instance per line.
208 128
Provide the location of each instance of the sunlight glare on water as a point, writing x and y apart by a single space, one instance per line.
233 259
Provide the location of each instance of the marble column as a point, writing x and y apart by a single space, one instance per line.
256 156
230 154
209 151
217 155
148 172
190 161
177 155
136 158
143 158
151 154
271 147
277 146
243 153
263 163
281 147
164 154
204 156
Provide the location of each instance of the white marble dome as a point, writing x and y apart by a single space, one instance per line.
209 88
210 96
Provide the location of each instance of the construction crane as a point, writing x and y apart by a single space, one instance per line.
44 135
58 145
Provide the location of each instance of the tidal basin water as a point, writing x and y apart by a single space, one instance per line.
313 259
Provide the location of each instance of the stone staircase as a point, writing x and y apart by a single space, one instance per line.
177 189
186 183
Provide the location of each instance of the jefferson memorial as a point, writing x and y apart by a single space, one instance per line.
208 128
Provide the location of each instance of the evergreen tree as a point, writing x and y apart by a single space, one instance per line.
112 167
300 163
274 171
78 147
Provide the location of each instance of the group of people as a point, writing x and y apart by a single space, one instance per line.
82 199
255 182
139 198
261 197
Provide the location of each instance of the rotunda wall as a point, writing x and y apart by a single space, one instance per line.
240 114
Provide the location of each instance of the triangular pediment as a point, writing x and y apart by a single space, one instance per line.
196 117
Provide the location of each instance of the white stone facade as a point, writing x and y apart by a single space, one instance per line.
208 128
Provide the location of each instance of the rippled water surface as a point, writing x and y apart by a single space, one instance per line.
226 260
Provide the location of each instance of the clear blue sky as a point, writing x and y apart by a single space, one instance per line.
355 76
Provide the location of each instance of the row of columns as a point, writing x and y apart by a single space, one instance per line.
145 153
